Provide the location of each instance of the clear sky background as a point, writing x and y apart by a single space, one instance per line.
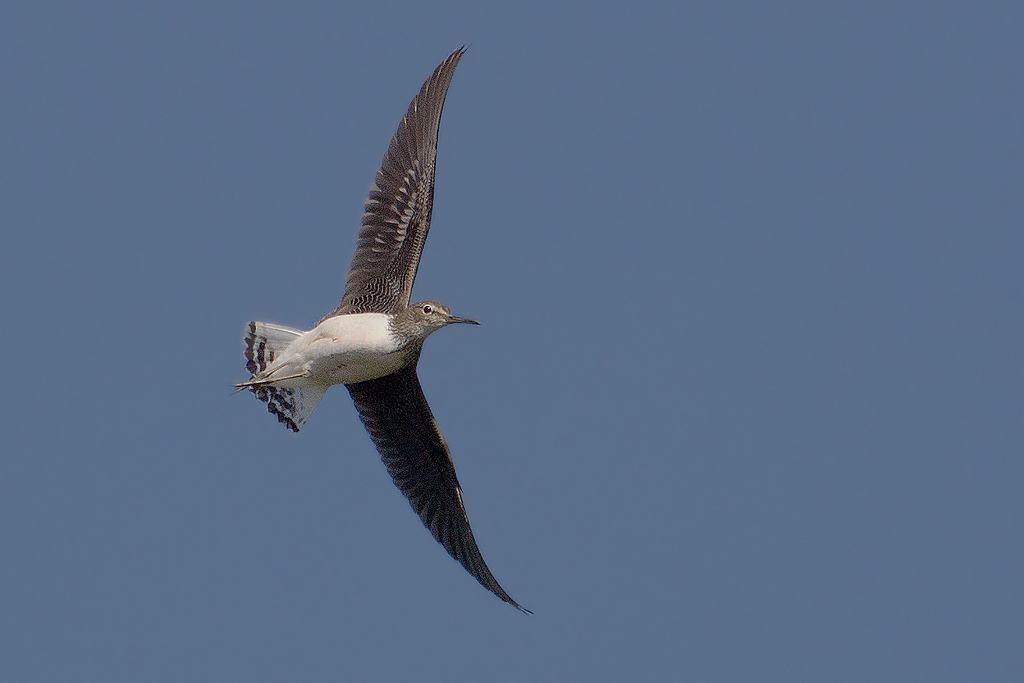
746 404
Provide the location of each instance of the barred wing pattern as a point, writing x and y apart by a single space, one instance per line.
397 214
395 413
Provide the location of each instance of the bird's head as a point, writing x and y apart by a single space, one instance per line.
429 316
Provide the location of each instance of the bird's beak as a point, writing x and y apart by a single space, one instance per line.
456 319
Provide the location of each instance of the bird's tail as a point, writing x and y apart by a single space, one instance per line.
263 343
292 405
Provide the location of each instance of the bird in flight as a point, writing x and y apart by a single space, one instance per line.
372 342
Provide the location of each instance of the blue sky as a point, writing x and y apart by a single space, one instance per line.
746 403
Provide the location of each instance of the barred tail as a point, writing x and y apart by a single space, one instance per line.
292 406
263 342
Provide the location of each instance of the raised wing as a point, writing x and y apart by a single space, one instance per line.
397 214
395 413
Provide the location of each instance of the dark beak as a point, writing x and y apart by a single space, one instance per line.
456 319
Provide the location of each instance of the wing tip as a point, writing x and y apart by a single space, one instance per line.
519 607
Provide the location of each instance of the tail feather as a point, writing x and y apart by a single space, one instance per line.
263 342
293 405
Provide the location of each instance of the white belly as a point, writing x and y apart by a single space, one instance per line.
344 349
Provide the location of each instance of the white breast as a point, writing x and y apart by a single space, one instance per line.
357 333
344 349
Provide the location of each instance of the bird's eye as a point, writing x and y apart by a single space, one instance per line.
428 310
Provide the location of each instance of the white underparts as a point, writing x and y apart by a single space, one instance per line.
345 349
291 369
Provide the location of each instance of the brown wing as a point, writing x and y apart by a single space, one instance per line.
395 413
397 214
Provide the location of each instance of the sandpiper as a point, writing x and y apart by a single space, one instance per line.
372 341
